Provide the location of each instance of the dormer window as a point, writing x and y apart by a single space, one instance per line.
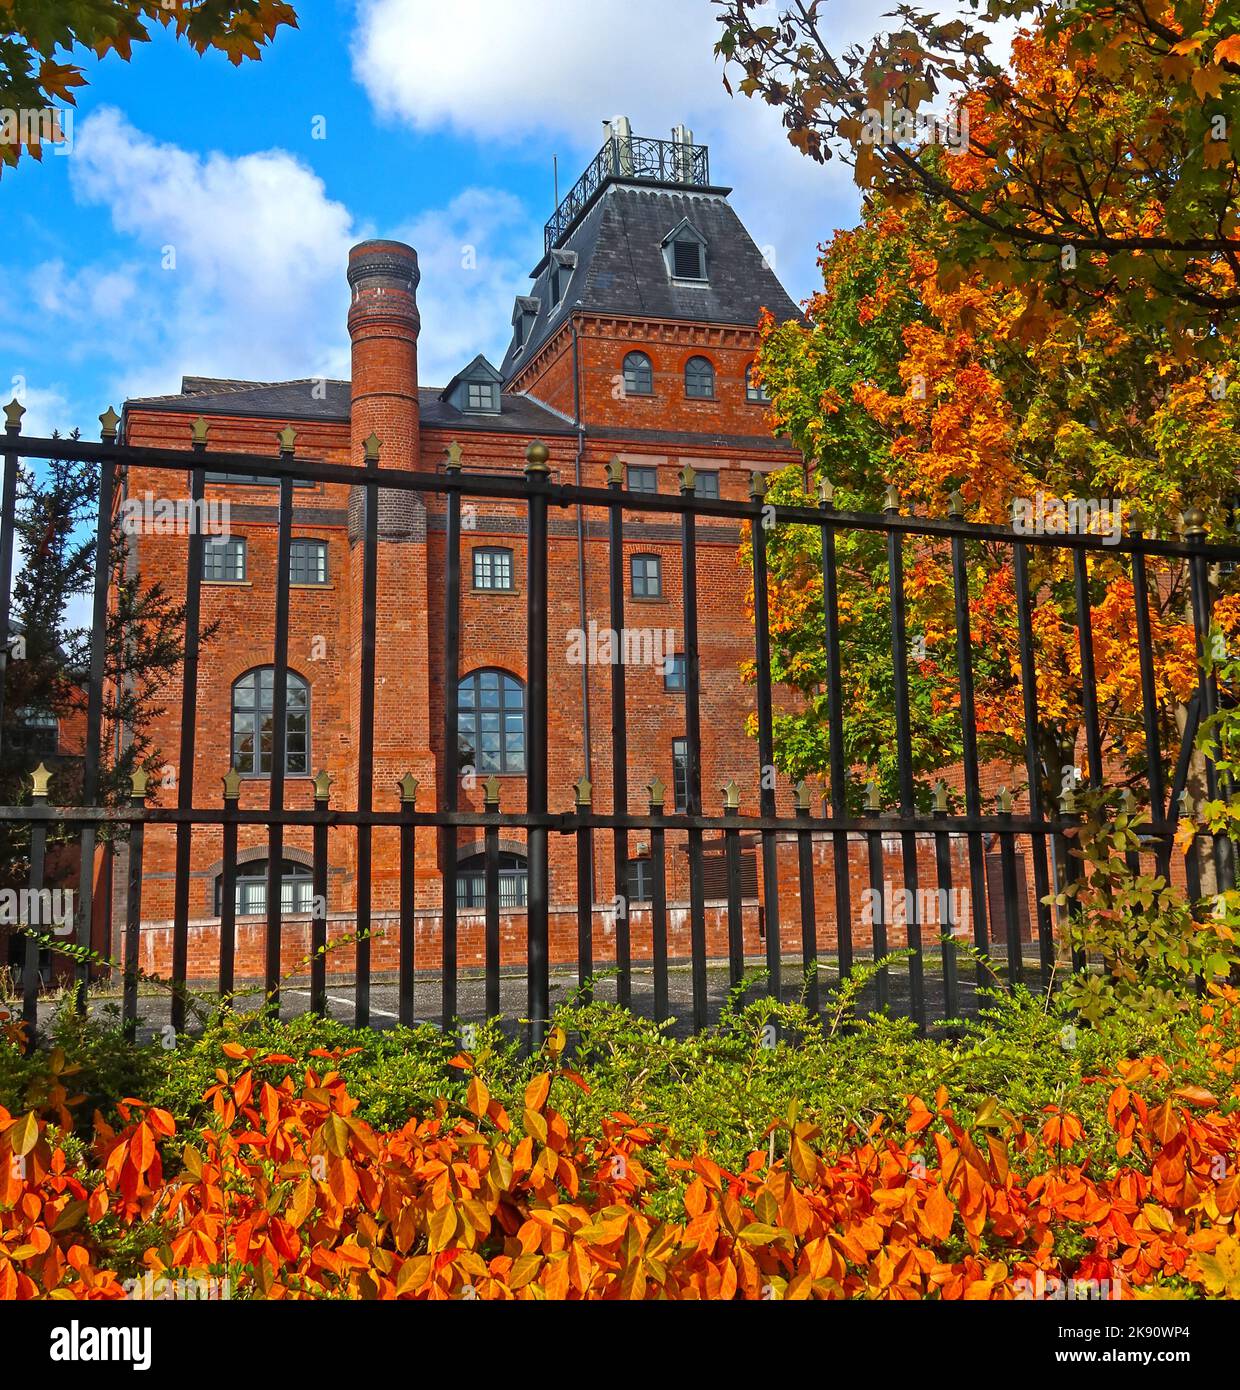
687 261
480 396
476 390
563 264
524 316
685 253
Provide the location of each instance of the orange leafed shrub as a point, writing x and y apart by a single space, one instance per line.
286 1194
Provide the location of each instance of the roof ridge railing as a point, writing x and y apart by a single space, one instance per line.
638 157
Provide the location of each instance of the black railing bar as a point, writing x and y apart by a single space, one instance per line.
619 735
94 716
567 822
366 729
569 495
183 861
451 749
279 743
766 739
8 526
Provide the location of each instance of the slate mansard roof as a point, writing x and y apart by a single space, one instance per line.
621 269
316 399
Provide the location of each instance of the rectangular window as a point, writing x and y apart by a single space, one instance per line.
643 480
252 480
308 562
707 485
223 561
647 572
481 395
641 881
680 774
674 672
493 570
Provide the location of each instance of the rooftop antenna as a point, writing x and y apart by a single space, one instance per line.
555 175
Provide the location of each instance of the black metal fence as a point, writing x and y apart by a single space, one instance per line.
1023 838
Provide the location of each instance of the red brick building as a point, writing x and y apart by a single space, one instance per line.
633 342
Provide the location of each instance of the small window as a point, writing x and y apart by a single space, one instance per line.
253 724
223 560
680 774
688 259
307 562
647 572
755 391
480 396
296 889
35 731
493 569
513 882
699 379
674 672
643 480
641 881
707 485
638 375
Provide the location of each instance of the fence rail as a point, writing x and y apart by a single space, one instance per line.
942 842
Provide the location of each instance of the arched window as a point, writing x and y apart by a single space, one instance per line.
699 379
514 879
755 391
253 724
638 375
491 723
296 888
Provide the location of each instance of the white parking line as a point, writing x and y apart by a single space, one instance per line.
347 1003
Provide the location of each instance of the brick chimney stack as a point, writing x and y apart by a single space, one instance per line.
383 330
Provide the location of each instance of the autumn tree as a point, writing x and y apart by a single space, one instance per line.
896 379
39 38
1100 166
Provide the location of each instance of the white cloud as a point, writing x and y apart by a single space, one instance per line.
542 78
474 256
256 254
238 266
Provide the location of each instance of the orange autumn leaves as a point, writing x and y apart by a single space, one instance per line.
286 1193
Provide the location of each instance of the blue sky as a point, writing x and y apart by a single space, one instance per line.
197 226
